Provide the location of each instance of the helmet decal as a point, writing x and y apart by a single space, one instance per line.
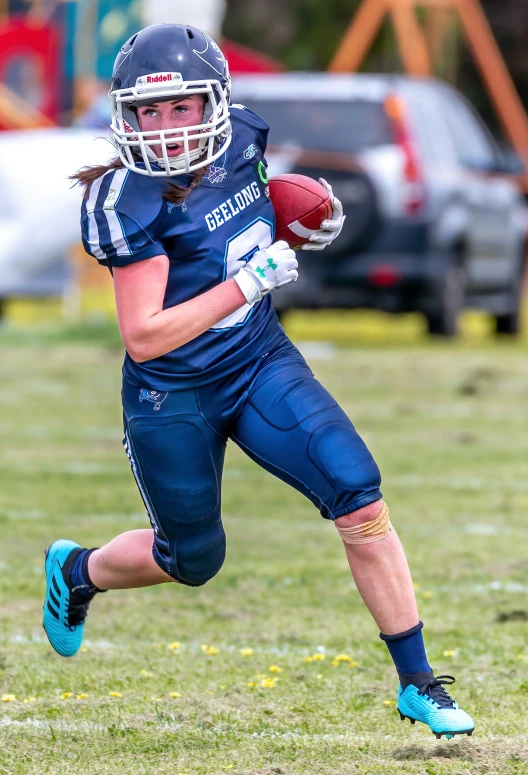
215 46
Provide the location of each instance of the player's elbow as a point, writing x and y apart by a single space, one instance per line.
139 348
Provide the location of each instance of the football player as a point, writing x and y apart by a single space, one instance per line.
182 218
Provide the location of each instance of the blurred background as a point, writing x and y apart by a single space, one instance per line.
415 112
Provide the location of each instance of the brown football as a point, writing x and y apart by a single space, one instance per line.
301 204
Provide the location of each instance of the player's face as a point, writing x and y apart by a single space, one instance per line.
186 111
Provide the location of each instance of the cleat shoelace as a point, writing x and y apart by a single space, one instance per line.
435 691
77 609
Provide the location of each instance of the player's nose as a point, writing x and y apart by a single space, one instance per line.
167 122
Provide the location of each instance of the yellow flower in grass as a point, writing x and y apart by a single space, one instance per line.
81 696
145 673
209 650
8 697
389 703
175 695
157 699
274 669
308 659
342 658
268 683
66 695
353 664
427 595
448 653
175 645
114 694
246 652
318 657
222 686
520 656
30 699
83 649
252 684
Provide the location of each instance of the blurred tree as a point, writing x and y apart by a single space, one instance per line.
509 22
304 34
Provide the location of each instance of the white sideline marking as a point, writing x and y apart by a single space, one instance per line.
66 726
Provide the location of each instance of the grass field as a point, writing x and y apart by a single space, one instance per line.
240 676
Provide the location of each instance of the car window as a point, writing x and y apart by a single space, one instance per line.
430 126
344 126
473 146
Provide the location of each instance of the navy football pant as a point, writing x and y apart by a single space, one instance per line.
279 414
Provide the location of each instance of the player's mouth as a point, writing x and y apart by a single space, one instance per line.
174 149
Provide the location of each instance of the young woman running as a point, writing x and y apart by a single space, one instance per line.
206 359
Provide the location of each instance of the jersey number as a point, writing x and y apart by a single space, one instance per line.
239 250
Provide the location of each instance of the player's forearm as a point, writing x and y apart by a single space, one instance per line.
175 326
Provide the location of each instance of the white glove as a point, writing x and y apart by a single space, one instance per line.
266 270
329 230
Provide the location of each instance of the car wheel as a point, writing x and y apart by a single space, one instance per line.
511 323
444 320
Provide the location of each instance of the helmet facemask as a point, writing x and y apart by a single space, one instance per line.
135 147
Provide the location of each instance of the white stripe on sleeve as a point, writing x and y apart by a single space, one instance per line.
117 234
93 231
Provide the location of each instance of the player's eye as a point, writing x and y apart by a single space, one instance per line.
181 109
150 112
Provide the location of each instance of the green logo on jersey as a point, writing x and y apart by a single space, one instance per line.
262 271
262 172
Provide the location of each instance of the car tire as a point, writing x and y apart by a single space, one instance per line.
510 324
444 320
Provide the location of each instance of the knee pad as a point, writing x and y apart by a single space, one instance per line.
368 532
195 555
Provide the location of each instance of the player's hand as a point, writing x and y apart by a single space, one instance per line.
266 270
329 229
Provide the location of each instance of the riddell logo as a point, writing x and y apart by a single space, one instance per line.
159 77
145 81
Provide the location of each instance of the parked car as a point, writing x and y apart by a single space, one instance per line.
39 208
435 219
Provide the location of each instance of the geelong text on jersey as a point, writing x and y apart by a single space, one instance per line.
227 210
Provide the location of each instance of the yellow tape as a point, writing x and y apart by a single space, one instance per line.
368 532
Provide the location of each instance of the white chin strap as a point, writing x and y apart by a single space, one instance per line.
178 162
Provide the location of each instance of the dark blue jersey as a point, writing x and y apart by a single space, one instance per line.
207 239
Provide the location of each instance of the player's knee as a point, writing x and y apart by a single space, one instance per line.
360 516
196 554
346 462
366 525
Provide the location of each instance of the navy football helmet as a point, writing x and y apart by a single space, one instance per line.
159 63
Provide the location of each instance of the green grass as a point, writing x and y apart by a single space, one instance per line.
448 427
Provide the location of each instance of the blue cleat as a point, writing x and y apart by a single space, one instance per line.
64 609
432 705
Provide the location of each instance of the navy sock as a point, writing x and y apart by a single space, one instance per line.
407 650
79 576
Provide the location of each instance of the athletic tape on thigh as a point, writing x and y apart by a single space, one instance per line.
367 532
